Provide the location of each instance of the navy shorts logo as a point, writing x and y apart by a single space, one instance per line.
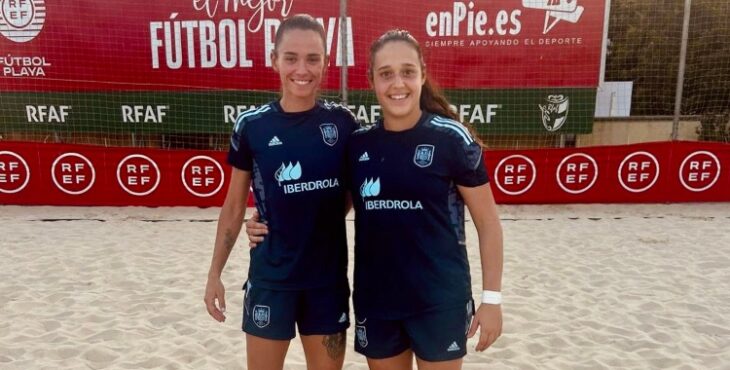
261 315
424 155
329 133
362 336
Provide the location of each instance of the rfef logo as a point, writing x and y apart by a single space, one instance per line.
423 157
138 174
577 173
329 133
202 176
73 174
699 171
261 315
22 20
638 172
515 174
14 172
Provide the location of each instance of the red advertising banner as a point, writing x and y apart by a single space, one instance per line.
641 173
85 45
496 43
57 174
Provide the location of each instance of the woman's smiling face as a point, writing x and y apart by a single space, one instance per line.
397 78
300 61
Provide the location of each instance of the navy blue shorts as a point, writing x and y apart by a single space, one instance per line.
433 336
272 314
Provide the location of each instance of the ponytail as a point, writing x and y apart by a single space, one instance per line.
434 101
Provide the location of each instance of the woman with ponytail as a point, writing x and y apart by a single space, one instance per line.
410 176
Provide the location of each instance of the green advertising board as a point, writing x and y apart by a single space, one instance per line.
514 111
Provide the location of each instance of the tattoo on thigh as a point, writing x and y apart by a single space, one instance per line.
335 345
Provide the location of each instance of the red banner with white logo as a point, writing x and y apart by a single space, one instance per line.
492 44
641 173
84 45
58 174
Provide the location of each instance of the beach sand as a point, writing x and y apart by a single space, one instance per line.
585 287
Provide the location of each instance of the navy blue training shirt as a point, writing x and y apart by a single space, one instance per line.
410 248
297 166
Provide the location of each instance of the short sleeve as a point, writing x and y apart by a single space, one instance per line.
469 169
239 154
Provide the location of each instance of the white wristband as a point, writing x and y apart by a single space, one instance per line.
491 297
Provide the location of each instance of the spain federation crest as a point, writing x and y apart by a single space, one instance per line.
555 112
329 133
424 155
261 315
362 336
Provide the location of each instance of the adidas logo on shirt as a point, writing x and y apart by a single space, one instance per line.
364 157
453 347
275 141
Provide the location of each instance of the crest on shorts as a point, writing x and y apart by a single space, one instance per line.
362 335
329 133
261 315
424 155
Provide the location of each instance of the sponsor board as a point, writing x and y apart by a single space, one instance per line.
223 45
488 111
60 174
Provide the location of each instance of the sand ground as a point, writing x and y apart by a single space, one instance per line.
585 287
